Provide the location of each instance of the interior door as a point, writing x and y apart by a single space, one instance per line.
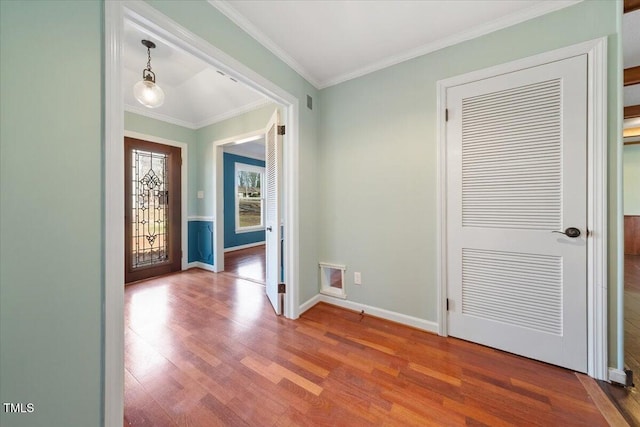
517 180
152 209
273 217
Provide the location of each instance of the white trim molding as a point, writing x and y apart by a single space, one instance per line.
199 218
414 322
197 125
233 113
539 9
597 321
146 112
154 22
202 265
113 306
233 139
309 303
237 18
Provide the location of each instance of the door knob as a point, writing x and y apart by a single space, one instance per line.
269 229
569 232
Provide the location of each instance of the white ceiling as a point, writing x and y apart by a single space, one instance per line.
253 149
196 95
329 42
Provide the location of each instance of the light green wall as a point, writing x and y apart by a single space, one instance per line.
51 212
378 158
632 179
51 189
148 126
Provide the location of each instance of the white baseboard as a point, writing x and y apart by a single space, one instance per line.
393 316
308 304
617 376
202 265
248 245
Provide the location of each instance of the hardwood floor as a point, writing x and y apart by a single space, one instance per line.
632 315
246 263
205 349
628 399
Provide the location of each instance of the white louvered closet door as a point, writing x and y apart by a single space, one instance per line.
516 172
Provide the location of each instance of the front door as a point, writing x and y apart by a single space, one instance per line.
516 212
152 209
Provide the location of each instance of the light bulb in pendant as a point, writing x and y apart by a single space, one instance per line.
146 91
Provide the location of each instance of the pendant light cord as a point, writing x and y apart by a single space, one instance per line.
148 59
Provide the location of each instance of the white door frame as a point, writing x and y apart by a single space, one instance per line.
176 35
596 51
218 195
184 154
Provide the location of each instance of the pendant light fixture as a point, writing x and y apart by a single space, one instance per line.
146 91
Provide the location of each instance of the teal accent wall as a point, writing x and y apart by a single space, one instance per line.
201 242
377 159
231 238
51 212
632 179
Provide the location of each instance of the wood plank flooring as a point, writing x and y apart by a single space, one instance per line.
628 399
246 263
204 349
632 314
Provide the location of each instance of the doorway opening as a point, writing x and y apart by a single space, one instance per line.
147 17
243 199
267 221
627 398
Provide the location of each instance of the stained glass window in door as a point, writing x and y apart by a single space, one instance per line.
150 208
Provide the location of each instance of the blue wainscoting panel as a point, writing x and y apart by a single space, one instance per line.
201 241
231 238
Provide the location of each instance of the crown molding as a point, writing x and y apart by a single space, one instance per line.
158 116
237 18
197 125
232 113
533 12
481 30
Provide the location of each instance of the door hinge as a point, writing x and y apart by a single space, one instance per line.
281 130
447 304
446 114
282 288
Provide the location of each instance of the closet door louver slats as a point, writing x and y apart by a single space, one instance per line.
512 158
